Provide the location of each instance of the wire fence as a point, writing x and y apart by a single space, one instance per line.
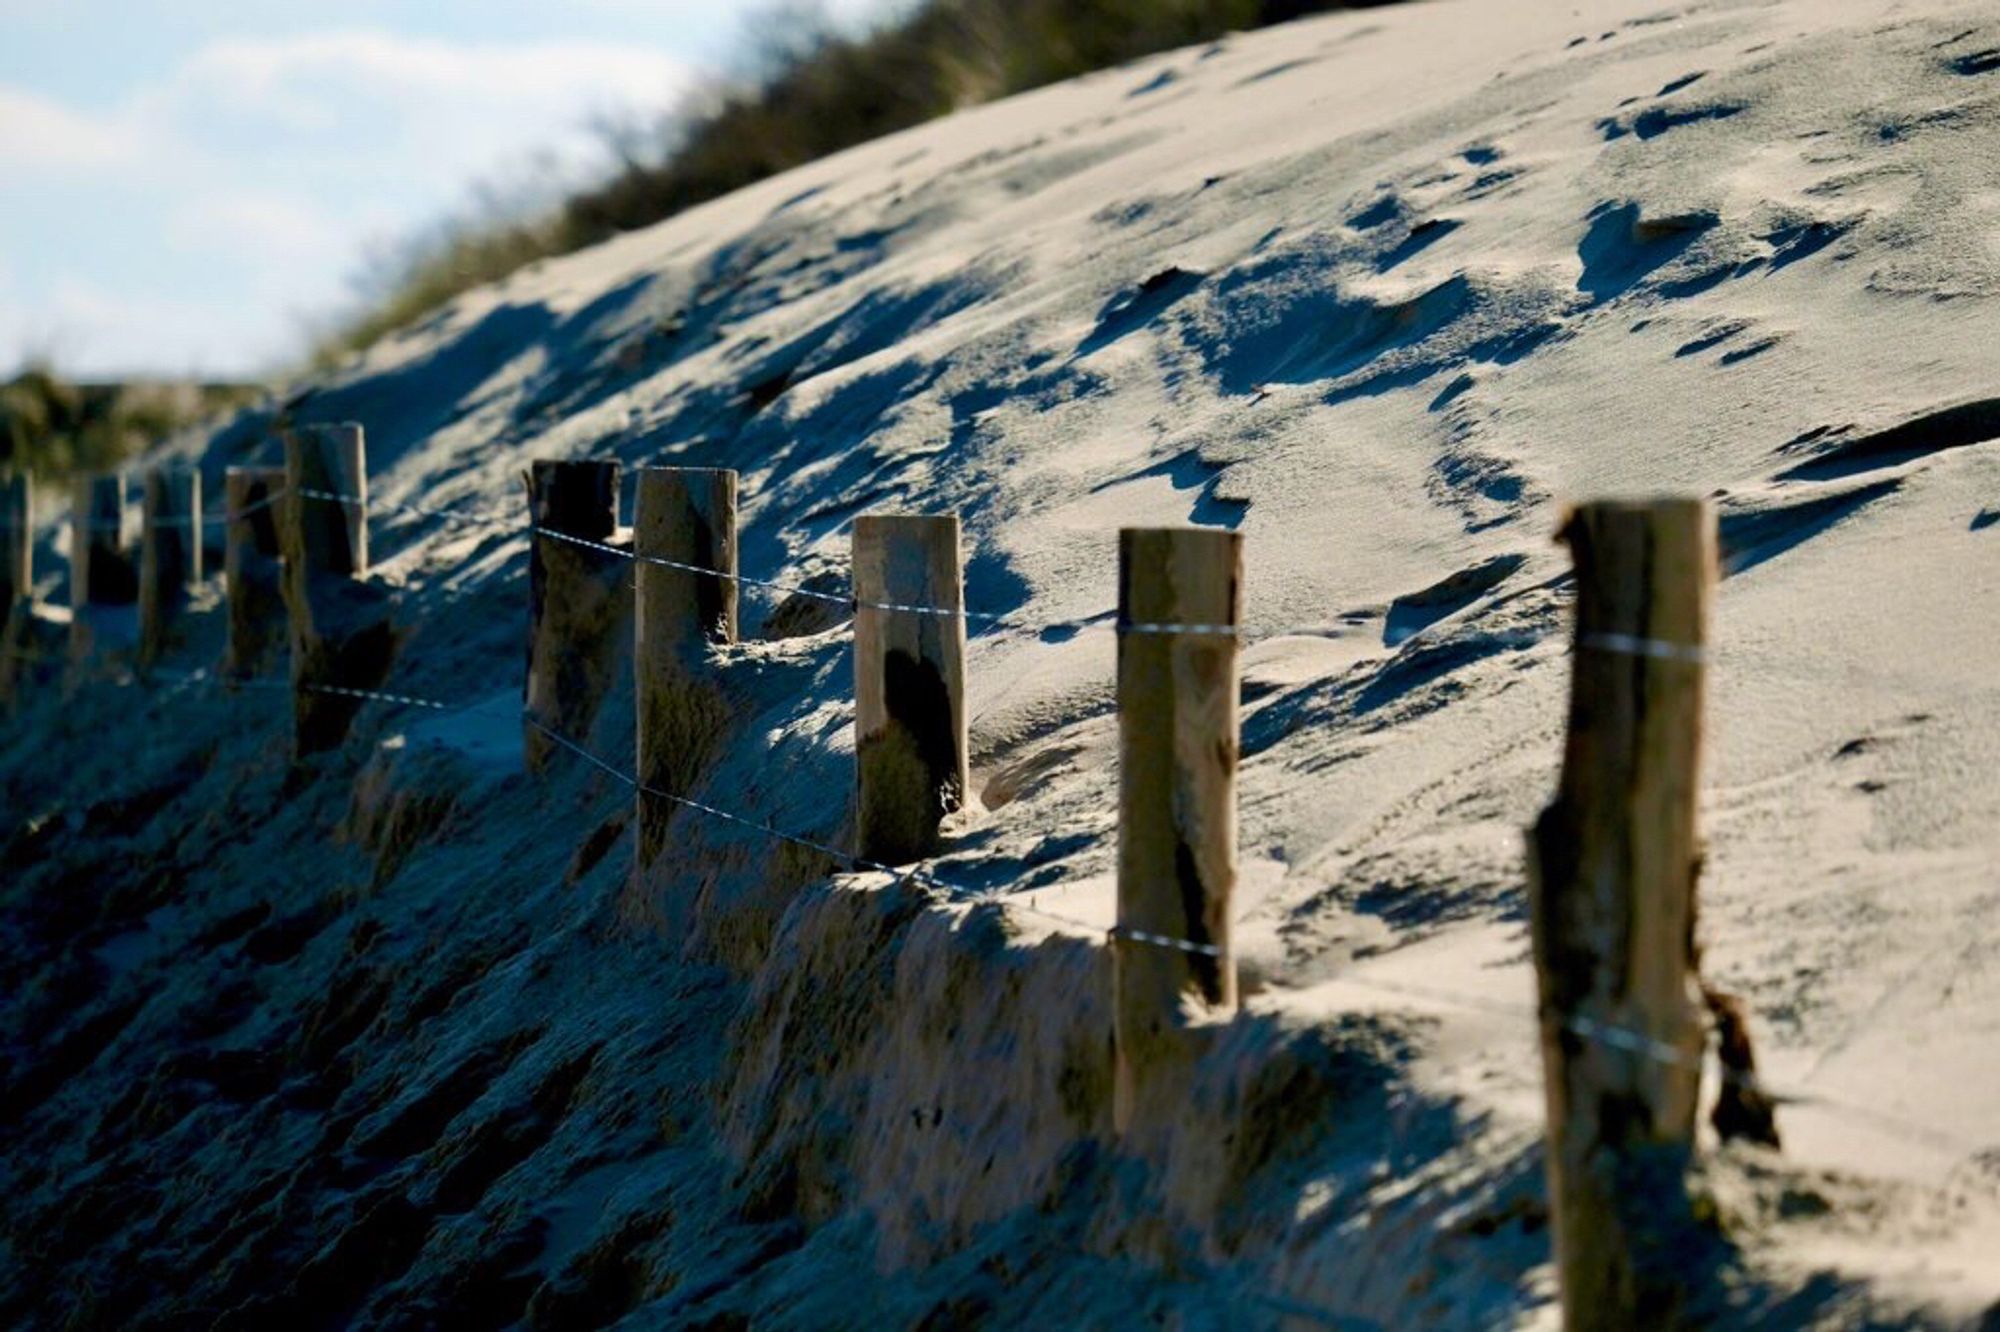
1637 1043
1627 1040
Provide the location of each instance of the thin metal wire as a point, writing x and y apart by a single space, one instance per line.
986 619
790 589
874 866
228 516
458 516
1630 645
1611 1036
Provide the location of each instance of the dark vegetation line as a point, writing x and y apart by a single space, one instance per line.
51 428
815 91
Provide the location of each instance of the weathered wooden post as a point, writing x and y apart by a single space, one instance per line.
101 577
1612 867
341 635
579 601
326 496
909 684
1179 605
169 552
17 575
687 517
252 568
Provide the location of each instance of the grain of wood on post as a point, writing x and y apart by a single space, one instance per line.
686 515
1613 864
326 496
252 568
169 552
1177 751
340 630
103 582
579 602
909 684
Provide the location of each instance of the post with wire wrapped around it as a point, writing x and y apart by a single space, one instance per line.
685 517
17 575
1612 869
169 552
1177 752
102 580
252 569
341 635
909 684
579 602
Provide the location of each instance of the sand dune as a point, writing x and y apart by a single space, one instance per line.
394 1037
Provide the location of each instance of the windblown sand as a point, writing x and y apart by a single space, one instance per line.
394 1038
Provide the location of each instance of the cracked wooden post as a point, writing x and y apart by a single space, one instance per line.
1177 748
1612 867
251 568
169 552
686 515
340 633
101 576
909 684
579 602
17 576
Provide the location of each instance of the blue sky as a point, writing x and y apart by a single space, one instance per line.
184 182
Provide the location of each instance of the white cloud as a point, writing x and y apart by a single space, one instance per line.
325 82
35 131
271 227
188 223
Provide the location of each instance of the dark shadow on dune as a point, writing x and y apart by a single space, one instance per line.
1714 336
1136 308
405 406
1750 537
1189 471
1623 247
1414 612
1286 333
992 585
1955 427
1794 241
1977 62
1422 236
1384 210
1657 120
1424 664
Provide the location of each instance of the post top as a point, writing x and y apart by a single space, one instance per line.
645 468
878 521
1665 506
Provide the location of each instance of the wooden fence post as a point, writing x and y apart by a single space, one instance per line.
1177 750
686 515
100 566
17 576
579 602
341 635
251 568
1612 867
169 552
326 496
909 684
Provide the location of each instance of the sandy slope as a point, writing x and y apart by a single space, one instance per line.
1382 290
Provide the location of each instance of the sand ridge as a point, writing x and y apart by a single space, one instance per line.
1382 291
